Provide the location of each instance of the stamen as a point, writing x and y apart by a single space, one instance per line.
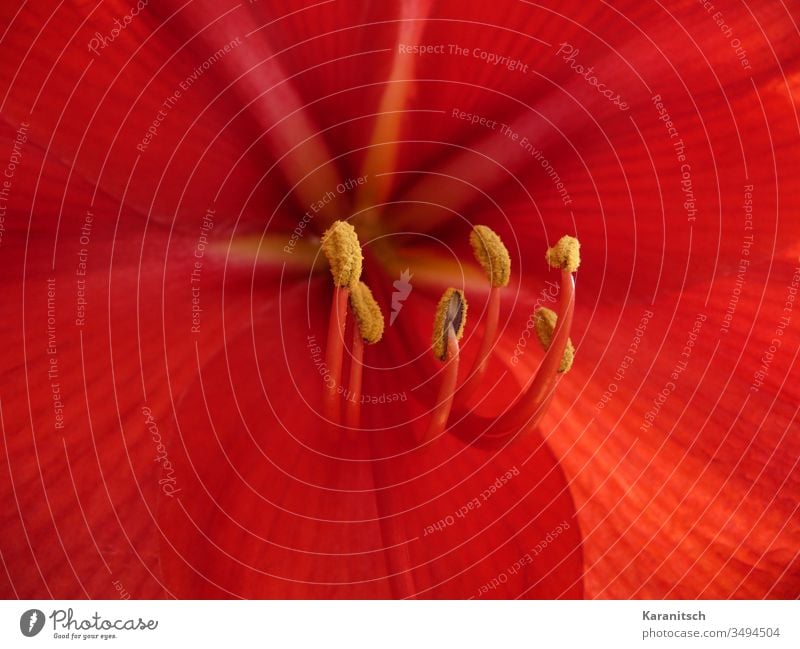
553 332
334 352
492 254
565 254
544 323
529 408
450 312
367 313
343 250
448 327
369 330
353 413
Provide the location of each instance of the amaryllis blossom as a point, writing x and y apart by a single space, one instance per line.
199 399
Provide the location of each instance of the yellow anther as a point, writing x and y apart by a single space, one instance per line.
544 322
451 312
367 313
565 254
491 254
341 247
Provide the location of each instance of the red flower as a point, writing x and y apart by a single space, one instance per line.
169 171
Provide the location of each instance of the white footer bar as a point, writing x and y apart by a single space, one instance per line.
386 624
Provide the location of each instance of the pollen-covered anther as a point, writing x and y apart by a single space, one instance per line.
565 254
367 313
451 312
343 250
491 254
544 322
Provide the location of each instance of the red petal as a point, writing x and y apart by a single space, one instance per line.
702 503
105 113
80 493
620 170
276 504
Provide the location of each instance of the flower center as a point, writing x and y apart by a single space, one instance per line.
342 248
